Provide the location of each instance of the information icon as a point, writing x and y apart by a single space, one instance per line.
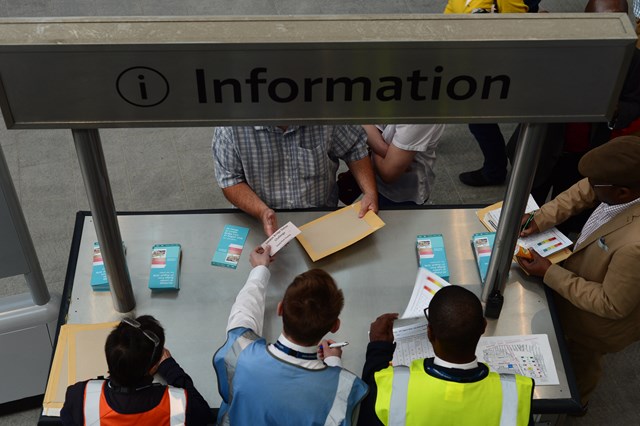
142 86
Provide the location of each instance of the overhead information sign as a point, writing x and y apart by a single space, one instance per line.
91 73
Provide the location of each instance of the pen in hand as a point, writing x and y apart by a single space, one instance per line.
526 224
338 344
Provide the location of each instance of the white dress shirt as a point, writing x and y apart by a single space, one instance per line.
248 311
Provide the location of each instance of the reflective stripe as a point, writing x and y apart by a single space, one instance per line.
92 393
341 399
178 406
509 414
399 390
231 357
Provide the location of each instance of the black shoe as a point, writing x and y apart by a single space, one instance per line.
477 178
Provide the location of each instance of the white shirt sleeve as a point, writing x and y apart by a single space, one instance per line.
333 361
248 309
417 137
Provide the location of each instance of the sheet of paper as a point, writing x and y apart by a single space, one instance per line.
281 237
411 343
528 355
337 230
494 215
545 243
427 284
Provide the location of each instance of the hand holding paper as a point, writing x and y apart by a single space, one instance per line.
281 237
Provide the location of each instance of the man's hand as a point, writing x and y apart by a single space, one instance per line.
382 328
261 256
368 202
536 267
269 221
532 227
165 355
324 351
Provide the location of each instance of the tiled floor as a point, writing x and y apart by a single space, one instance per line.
45 169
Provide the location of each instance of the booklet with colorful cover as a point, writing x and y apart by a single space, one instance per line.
432 255
165 267
99 280
482 244
230 246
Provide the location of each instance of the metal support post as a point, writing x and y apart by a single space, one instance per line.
528 151
34 277
96 183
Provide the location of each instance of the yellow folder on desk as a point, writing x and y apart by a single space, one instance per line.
79 356
337 230
482 213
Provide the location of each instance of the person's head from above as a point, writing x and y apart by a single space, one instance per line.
456 322
133 350
607 6
613 170
310 308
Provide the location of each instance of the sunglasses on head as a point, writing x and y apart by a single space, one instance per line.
148 334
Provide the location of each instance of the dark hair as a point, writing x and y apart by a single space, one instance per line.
456 320
311 306
129 352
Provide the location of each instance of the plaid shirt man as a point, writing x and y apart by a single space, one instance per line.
294 168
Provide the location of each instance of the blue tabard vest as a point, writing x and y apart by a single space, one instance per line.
259 389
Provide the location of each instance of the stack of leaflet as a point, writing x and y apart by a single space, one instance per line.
99 280
482 244
432 255
165 267
230 246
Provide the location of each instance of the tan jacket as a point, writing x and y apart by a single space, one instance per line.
601 279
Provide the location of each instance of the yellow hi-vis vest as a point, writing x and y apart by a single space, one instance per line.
409 396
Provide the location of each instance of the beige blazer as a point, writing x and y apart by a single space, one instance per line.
601 279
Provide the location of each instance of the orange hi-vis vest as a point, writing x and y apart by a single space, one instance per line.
171 411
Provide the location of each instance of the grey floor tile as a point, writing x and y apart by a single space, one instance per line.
10 137
196 167
23 418
50 181
421 6
206 196
45 146
106 8
231 7
336 7
165 8
158 188
32 8
10 152
441 192
49 219
10 286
